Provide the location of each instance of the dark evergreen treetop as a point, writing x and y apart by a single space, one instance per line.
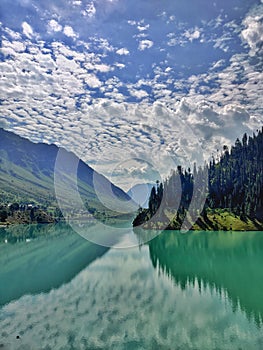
235 182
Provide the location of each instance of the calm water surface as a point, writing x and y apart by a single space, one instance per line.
194 291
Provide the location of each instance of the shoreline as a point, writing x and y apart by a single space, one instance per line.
214 220
145 227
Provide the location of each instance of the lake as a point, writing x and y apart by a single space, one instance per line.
201 290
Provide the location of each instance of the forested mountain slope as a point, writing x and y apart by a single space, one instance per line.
234 185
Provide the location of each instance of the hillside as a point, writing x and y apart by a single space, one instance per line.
27 176
233 191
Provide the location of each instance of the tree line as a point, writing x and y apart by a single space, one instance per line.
234 182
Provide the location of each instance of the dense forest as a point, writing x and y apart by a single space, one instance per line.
233 183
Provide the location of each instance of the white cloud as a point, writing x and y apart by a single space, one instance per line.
103 68
236 113
90 10
102 44
102 129
132 23
123 51
213 125
253 34
143 27
92 80
138 93
218 64
68 31
192 34
27 29
4 123
18 46
172 42
66 64
14 35
119 65
54 86
9 48
54 26
145 44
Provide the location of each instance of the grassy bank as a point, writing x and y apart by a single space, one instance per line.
223 220
212 220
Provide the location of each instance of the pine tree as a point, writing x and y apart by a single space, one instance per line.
235 182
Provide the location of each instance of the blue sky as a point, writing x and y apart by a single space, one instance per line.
132 87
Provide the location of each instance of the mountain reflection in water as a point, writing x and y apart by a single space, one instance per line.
52 256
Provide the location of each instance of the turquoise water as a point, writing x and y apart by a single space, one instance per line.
194 291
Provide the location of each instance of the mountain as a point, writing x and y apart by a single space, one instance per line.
232 186
140 194
27 175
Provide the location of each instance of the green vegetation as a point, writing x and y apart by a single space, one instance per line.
236 180
224 220
232 186
27 178
26 214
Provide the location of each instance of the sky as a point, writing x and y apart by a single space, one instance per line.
134 88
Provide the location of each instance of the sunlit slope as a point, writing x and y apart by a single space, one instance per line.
27 174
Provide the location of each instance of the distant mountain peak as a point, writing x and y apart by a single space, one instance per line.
140 193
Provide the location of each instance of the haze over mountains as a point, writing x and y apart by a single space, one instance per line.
140 193
27 174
